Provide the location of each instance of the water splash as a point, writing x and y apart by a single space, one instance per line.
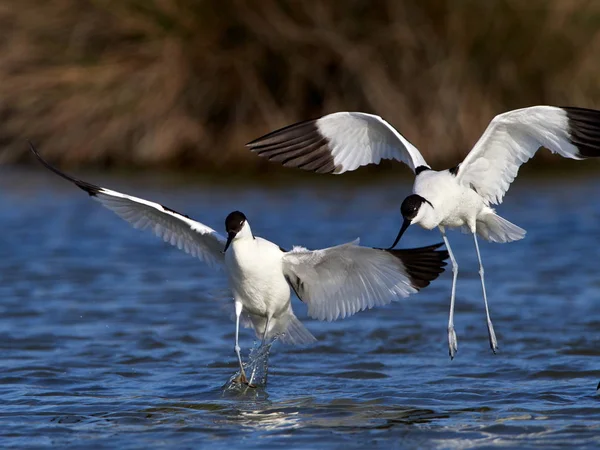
256 367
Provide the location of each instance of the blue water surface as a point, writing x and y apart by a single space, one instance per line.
111 338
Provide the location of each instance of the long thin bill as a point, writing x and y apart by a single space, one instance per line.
405 225
230 237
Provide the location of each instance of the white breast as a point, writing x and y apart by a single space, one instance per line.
453 205
256 277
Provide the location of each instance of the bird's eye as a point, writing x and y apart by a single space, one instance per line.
241 222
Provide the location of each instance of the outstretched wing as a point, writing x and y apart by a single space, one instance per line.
177 229
340 281
512 138
337 143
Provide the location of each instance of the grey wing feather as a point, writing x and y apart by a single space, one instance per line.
512 138
339 281
177 229
337 143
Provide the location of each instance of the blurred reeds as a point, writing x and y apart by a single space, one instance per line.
185 83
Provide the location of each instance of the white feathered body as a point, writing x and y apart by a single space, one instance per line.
455 205
256 277
254 268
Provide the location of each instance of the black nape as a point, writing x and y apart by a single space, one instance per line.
420 169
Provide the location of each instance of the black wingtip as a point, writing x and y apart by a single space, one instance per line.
423 264
300 145
584 130
292 131
91 189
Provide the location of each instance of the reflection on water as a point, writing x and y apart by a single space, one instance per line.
113 339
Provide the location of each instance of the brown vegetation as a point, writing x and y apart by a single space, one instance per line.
187 82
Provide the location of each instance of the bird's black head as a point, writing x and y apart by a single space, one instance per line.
234 222
410 206
409 209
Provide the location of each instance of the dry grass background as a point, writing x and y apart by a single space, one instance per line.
185 83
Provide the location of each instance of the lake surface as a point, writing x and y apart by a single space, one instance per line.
111 338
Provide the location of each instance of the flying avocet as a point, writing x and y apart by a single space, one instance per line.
334 282
457 197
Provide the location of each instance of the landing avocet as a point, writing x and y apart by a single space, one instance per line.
457 197
334 282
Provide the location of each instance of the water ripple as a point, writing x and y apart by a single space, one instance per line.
112 339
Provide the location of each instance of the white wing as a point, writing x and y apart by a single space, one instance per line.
337 143
340 281
514 137
177 229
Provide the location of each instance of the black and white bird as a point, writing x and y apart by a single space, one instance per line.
458 197
334 282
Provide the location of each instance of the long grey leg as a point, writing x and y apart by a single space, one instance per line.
238 312
490 326
452 340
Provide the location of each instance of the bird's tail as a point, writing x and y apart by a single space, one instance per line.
286 328
494 228
292 332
